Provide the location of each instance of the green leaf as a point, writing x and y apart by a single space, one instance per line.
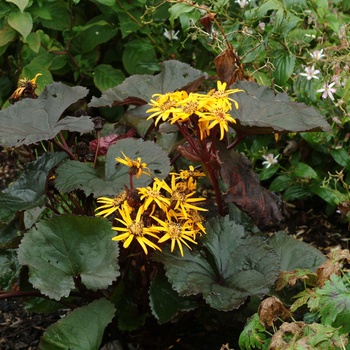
304 170
21 21
174 76
105 77
10 268
33 120
7 34
21 4
253 335
231 267
341 156
334 303
165 303
91 35
73 175
126 25
58 18
177 10
29 190
280 183
266 173
62 248
297 191
139 57
33 41
262 111
82 329
295 254
284 63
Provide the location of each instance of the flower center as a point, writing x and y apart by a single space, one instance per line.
136 228
190 107
174 230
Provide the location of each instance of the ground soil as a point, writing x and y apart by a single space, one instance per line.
22 330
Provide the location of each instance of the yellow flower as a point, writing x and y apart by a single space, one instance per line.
134 228
152 194
183 201
165 105
136 166
222 94
195 220
177 232
110 205
218 115
192 104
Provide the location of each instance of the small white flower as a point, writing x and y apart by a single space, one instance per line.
171 34
312 36
270 160
311 72
242 3
328 91
262 25
317 54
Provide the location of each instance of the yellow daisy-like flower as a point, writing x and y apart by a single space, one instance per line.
222 94
134 229
136 166
165 105
183 200
177 232
110 205
218 115
192 104
153 195
195 220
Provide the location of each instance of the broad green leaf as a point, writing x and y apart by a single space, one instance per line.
341 156
177 10
253 335
33 41
21 4
29 190
230 267
10 269
59 249
283 62
126 25
139 57
7 34
21 21
165 303
82 329
304 170
174 76
58 18
297 191
73 175
295 254
91 35
262 111
33 120
106 77
280 183
334 303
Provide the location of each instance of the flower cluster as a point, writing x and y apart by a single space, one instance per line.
157 213
202 113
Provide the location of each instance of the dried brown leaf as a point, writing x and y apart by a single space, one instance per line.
271 309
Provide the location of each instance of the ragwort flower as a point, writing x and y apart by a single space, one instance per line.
177 232
217 115
110 205
165 105
136 166
153 195
134 229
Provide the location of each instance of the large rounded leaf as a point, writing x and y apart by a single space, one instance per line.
231 267
80 330
261 111
63 248
33 120
73 175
